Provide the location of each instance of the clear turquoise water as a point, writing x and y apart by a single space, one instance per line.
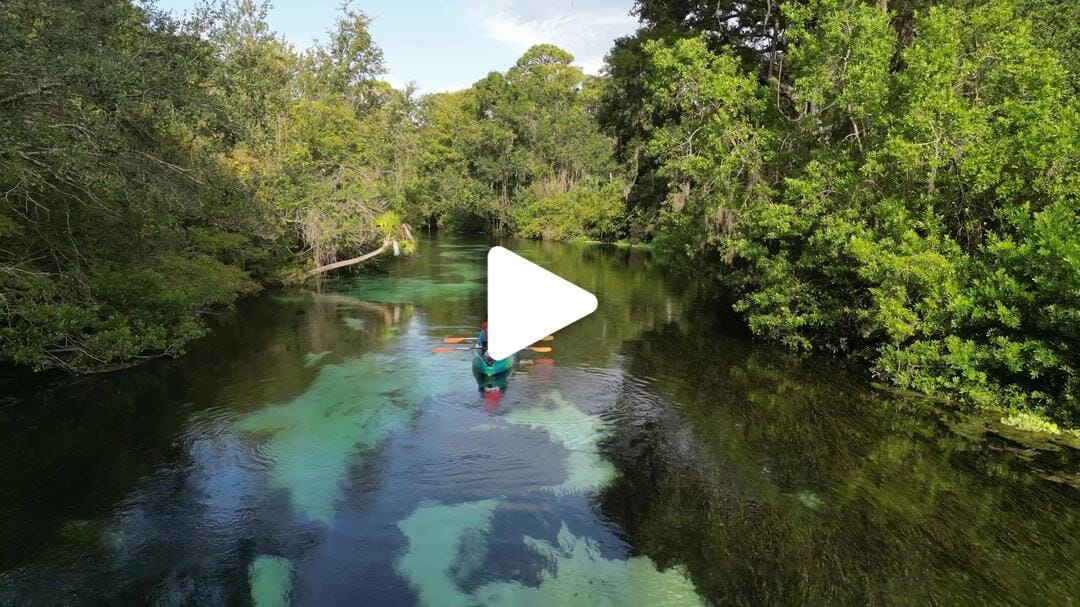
314 450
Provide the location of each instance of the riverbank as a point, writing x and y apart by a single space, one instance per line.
310 433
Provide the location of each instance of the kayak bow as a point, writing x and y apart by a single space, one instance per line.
500 366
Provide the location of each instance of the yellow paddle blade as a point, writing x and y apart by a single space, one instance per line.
540 349
441 349
548 338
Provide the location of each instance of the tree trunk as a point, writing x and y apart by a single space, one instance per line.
349 262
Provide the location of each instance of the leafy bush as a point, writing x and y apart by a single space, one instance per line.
912 203
582 213
121 315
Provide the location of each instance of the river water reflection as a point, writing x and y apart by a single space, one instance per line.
315 450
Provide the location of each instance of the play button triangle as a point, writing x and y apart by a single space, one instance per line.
526 303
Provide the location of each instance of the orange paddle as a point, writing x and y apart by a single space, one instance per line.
458 340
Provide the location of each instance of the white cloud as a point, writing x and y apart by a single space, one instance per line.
586 28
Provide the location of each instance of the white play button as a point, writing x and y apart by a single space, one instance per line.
526 303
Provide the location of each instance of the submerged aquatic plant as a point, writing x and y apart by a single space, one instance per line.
449 542
580 433
271 581
314 439
437 534
580 575
408 289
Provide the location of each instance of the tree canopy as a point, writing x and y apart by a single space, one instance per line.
898 182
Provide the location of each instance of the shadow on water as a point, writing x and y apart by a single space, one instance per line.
775 480
101 472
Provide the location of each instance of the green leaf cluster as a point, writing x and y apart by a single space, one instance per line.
153 169
898 184
118 224
520 152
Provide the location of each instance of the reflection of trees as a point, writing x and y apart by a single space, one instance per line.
391 313
73 448
776 481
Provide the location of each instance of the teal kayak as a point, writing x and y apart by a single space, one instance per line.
500 366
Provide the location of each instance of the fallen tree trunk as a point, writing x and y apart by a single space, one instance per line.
349 262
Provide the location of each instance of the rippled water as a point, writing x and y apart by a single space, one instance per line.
314 450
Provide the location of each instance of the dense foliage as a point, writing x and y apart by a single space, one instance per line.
521 152
153 169
898 184
117 224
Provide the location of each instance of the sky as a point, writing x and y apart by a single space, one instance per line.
444 45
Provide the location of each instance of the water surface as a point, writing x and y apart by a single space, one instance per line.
314 450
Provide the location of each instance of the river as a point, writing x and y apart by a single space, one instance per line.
316 449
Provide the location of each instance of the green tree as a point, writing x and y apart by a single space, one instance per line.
335 154
117 224
154 169
907 198
517 146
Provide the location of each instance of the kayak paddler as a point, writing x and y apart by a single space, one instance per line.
482 343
